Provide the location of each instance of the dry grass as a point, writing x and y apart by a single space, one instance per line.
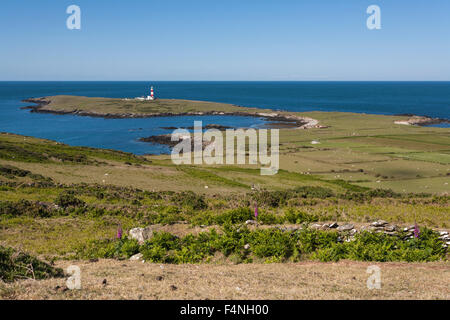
309 280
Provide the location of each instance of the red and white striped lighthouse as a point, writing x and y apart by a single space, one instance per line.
151 93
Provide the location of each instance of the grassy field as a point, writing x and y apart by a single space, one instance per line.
308 280
58 202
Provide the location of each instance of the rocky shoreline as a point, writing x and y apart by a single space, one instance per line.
208 126
296 121
421 120
166 139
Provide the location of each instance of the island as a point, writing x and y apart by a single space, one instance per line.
115 108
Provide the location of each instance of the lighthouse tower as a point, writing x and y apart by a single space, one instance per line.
152 95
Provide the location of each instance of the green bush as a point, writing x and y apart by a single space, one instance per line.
297 217
269 218
233 239
332 253
234 216
18 265
118 249
309 240
273 245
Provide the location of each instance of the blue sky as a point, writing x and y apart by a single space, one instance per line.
225 40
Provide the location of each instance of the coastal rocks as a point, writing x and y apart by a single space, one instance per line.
141 234
421 121
208 126
166 139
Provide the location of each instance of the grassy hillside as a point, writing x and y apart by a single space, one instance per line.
66 203
55 197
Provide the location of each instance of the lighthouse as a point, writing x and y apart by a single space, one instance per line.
152 95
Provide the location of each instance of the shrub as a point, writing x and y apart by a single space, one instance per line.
129 247
383 193
314 192
333 253
271 243
68 199
26 208
18 265
272 198
269 218
118 249
299 217
233 239
234 216
309 240
190 199
203 218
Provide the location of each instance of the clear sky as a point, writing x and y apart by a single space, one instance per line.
225 40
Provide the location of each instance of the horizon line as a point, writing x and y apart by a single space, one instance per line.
225 80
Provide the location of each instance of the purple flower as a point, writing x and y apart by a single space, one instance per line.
256 211
416 231
119 233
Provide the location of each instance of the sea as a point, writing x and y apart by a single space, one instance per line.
391 98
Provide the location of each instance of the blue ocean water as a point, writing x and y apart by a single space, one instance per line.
421 98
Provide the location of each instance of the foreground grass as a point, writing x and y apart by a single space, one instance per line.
306 280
